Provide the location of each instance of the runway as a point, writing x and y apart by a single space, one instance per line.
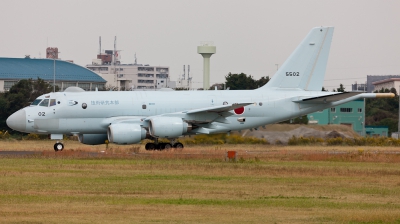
19 153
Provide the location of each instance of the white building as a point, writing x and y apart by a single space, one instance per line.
130 76
387 84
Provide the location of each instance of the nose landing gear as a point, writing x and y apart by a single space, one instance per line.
58 146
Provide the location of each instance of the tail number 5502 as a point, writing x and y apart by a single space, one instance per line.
292 73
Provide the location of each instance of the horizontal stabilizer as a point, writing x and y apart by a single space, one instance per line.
328 98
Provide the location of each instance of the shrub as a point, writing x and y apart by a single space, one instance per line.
219 139
334 141
4 135
32 136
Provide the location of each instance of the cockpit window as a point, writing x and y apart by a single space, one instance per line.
52 102
44 103
36 102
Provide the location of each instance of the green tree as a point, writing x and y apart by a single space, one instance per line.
341 88
383 111
262 81
242 81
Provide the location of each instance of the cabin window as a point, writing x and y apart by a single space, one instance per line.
144 106
359 110
44 103
52 102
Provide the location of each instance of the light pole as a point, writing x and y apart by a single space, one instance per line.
54 70
54 74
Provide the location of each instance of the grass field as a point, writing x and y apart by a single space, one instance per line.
268 184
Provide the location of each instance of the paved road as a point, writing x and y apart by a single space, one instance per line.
19 153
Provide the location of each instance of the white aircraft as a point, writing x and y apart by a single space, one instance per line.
131 116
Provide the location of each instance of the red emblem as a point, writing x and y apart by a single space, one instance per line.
239 110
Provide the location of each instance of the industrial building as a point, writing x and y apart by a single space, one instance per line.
376 131
387 84
130 76
372 80
65 73
351 114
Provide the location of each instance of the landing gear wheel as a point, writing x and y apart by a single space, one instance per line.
161 146
167 146
150 146
178 145
58 147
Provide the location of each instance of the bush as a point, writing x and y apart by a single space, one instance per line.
335 141
32 136
4 135
304 140
219 139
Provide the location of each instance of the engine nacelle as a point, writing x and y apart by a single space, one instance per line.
168 127
92 139
124 133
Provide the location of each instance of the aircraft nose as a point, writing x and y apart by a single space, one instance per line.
17 121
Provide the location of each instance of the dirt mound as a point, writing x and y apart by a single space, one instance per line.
334 134
283 132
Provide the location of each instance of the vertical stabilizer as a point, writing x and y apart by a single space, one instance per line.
305 68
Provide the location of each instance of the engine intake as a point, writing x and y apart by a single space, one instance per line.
124 133
168 127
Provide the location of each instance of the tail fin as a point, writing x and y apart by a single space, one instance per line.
305 68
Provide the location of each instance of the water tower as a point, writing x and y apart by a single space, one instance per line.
206 50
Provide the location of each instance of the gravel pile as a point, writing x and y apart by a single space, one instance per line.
283 132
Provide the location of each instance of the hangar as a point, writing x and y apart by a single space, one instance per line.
66 73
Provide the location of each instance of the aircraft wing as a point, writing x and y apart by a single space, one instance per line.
217 109
328 98
205 115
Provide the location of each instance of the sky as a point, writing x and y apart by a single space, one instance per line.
252 37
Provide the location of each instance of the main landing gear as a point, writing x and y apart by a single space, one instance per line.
162 146
58 146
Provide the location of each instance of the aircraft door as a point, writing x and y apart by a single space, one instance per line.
52 105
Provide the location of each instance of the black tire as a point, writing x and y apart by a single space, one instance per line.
167 146
178 145
58 147
150 146
161 146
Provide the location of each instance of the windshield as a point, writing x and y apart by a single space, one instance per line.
36 102
44 103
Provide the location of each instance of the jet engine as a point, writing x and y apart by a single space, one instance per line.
168 127
92 139
124 133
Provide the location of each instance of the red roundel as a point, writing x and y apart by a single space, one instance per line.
239 110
